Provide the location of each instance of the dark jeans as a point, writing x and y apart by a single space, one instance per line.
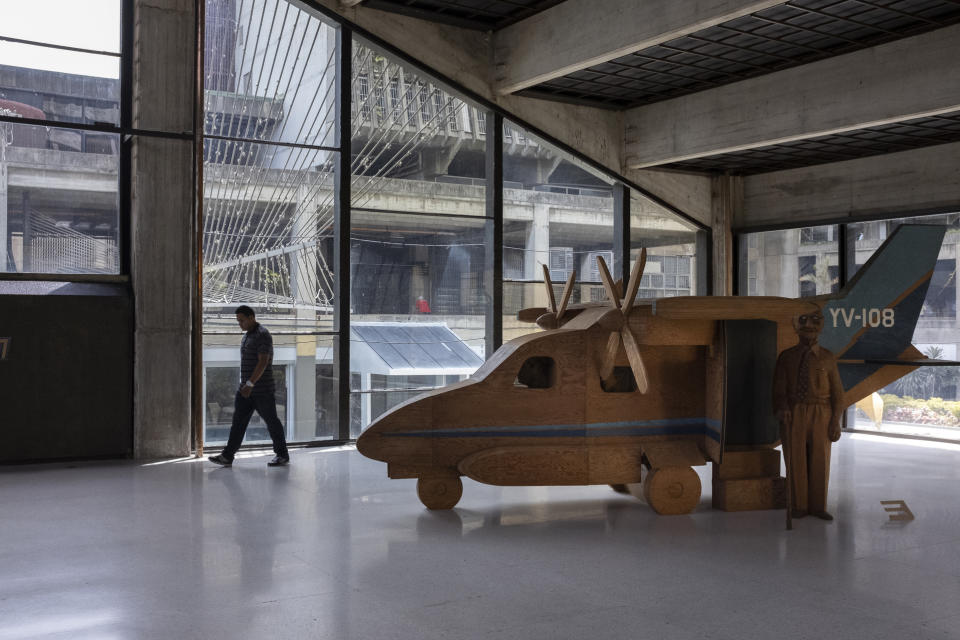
266 406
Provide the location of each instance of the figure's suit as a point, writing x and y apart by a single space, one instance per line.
806 382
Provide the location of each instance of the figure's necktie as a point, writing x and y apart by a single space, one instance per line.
803 375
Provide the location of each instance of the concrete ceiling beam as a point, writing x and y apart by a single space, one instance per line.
577 34
894 184
909 78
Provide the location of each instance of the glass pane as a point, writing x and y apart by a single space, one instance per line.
87 24
557 212
671 243
925 402
58 200
386 392
792 263
62 86
416 147
269 74
268 212
221 384
418 303
304 375
418 300
268 233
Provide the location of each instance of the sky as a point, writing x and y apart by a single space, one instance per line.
88 24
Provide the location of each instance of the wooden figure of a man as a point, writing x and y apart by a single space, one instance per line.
808 401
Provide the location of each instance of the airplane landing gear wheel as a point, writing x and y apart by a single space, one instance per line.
672 490
439 493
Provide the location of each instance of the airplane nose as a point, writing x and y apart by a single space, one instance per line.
378 440
367 441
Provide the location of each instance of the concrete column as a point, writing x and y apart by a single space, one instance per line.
726 199
305 390
304 286
27 234
538 243
163 260
780 258
366 407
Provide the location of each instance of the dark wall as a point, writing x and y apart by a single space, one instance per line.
66 384
751 357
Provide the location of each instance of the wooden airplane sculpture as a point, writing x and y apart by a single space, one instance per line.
639 391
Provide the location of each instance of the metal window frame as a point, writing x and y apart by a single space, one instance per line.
341 227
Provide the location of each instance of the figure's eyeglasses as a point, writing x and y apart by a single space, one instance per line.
811 319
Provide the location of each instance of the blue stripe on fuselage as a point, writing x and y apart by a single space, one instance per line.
669 427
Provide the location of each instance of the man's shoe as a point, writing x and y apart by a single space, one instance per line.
278 462
221 460
823 515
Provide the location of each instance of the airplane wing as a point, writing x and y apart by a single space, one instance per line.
731 307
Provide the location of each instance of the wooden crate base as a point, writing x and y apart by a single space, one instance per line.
748 480
748 494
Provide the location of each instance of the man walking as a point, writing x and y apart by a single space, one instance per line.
808 401
256 391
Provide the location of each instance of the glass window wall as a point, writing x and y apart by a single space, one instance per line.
804 262
557 212
421 250
672 267
418 254
268 215
59 208
792 263
926 402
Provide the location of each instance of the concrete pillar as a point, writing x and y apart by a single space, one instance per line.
538 244
27 234
780 258
163 260
304 286
366 406
726 199
305 390
436 162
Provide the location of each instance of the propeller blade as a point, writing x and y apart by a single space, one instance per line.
634 285
567 290
636 361
610 356
608 282
550 296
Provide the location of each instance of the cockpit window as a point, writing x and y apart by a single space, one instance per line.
538 372
622 381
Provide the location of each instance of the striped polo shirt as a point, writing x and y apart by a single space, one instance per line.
255 342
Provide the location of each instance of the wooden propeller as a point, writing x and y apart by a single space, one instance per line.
551 319
620 327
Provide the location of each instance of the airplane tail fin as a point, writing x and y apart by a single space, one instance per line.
869 324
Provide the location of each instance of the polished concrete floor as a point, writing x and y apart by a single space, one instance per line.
330 548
